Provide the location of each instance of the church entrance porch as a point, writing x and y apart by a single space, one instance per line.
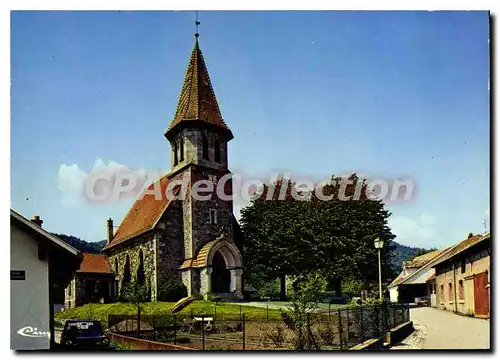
221 276
217 269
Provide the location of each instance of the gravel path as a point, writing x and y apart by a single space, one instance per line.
440 329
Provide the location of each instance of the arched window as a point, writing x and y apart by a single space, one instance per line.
181 149
116 265
126 271
140 269
175 154
205 147
217 151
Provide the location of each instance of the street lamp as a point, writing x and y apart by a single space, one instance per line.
379 244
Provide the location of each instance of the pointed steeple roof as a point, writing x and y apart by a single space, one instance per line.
197 102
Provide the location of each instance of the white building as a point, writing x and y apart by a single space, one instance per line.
411 284
40 264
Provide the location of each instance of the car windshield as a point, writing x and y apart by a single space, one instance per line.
84 329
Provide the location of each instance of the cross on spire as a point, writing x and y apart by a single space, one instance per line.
197 23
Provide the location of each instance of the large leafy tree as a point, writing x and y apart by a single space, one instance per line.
294 237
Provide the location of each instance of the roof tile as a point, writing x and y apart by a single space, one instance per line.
95 263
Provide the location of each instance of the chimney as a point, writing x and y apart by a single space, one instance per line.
110 229
470 235
36 219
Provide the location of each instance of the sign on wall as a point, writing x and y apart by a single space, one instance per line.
18 275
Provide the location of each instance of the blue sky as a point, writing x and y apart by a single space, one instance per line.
387 94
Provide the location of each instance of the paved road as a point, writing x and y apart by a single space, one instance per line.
439 329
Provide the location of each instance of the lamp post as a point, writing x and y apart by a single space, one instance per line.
379 244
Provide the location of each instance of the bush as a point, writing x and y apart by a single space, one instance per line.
172 289
269 289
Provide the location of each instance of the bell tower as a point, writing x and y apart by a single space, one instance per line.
199 136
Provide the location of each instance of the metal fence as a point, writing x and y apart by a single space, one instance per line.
327 330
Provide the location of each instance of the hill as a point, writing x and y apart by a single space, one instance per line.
402 253
82 245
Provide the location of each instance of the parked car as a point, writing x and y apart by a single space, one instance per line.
84 335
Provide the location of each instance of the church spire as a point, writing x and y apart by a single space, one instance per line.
197 102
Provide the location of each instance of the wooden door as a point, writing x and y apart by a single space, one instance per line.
481 306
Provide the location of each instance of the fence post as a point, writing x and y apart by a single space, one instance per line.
240 312
215 313
138 322
267 312
361 323
203 332
329 310
175 329
243 328
340 329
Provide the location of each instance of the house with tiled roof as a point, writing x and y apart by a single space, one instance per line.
94 281
168 232
463 277
411 284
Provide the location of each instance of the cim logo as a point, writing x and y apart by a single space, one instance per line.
29 331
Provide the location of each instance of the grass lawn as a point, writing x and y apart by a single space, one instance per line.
207 308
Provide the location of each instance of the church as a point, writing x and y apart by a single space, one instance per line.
197 241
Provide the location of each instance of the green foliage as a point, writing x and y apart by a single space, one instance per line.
305 295
292 237
172 289
101 311
135 293
269 289
352 287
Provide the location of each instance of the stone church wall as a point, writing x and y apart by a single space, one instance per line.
204 231
147 245
170 235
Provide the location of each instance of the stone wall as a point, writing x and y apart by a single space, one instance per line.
203 230
132 248
70 295
170 241
193 149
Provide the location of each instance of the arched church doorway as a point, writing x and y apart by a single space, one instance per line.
221 276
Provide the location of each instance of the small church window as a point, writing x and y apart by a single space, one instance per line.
175 154
217 151
181 149
213 216
205 147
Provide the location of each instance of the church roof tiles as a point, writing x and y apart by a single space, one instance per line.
197 101
143 215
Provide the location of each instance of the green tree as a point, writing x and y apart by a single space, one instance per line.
293 237
304 298
137 294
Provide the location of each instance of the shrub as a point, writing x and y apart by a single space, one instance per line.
172 289
269 289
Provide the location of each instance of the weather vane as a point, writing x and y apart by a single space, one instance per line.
197 23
